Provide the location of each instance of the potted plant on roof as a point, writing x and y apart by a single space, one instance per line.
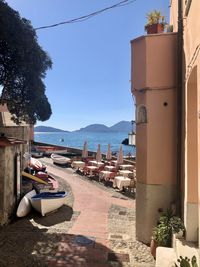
156 22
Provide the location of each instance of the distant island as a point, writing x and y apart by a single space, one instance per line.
47 129
122 126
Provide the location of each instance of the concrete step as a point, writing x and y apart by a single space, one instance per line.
165 257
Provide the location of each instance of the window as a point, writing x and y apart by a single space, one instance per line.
141 114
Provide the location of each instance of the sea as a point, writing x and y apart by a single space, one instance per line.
77 139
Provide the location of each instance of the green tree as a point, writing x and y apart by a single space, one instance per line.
23 66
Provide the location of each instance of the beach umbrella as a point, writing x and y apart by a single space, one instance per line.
98 155
109 155
120 156
85 150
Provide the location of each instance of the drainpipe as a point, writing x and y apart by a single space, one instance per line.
179 105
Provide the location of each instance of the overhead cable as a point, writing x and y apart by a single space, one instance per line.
85 17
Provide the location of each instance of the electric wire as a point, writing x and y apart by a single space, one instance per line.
88 16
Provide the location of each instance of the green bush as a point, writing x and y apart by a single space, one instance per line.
167 225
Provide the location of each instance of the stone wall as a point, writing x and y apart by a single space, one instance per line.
18 132
8 185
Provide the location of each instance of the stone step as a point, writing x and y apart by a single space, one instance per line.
165 257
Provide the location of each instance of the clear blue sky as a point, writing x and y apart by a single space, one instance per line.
89 82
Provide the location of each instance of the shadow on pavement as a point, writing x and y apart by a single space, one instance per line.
23 244
63 214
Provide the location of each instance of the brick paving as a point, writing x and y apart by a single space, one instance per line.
109 218
95 214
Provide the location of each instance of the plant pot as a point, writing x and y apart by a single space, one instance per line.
153 247
155 28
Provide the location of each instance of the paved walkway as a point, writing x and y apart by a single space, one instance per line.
95 229
107 220
93 203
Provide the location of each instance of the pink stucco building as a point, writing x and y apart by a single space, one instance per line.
165 82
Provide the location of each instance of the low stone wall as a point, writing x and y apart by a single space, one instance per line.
79 152
18 132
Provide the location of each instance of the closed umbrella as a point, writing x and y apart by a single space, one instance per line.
98 155
120 156
85 150
109 155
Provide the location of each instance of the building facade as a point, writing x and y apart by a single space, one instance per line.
14 142
165 81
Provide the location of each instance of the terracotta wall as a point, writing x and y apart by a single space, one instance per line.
153 59
191 130
161 142
154 84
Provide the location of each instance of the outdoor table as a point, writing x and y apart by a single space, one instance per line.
96 163
121 181
77 164
126 167
114 162
125 173
109 168
104 175
91 169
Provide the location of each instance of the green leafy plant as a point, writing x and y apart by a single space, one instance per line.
168 223
162 235
185 262
155 17
23 67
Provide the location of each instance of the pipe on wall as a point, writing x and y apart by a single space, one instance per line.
179 104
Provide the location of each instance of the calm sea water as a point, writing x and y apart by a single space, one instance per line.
77 139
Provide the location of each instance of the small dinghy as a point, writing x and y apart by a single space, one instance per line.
36 164
48 150
24 205
48 201
52 185
36 154
60 159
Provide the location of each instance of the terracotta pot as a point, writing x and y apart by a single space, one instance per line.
153 247
155 28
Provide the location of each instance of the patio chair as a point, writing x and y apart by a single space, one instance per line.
132 187
97 172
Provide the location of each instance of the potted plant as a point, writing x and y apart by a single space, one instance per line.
162 234
156 22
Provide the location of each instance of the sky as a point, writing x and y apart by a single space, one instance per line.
90 79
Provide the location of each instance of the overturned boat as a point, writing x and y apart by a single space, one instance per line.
47 202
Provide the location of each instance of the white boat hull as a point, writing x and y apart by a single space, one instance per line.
47 205
60 159
24 206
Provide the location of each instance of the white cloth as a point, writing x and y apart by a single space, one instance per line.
104 175
109 154
125 173
78 164
126 167
91 169
96 163
109 168
121 181
85 151
120 157
98 155
114 162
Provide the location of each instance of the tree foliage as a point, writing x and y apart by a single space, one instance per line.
23 66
